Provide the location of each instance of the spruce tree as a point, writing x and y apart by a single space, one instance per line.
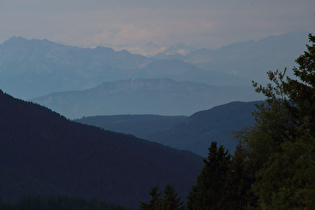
155 202
212 182
170 200
240 179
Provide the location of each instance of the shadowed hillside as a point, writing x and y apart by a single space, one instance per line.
43 153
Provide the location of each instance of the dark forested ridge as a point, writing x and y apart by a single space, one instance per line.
193 133
43 153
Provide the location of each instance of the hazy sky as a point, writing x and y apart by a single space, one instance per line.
132 23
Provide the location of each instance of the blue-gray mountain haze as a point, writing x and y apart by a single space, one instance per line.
144 96
34 68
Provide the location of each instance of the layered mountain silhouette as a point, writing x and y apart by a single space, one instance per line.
142 126
217 124
251 59
145 96
193 133
43 153
33 68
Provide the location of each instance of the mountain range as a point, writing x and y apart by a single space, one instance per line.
43 153
33 68
250 60
144 96
193 133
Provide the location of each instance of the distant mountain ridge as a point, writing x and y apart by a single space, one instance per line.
200 129
33 68
141 126
251 59
144 96
43 153
193 133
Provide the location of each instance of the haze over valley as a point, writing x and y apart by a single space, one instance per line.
167 105
86 82
35 68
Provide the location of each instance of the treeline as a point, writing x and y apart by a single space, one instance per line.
223 183
59 202
273 166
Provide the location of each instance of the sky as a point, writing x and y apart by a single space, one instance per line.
130 24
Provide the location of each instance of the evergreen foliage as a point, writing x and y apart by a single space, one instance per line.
224 182
169 201
273 166
212 182
281 145
155 202
239 180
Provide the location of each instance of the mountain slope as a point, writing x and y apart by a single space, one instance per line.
193 133
144 96
44 153
199 130
141 126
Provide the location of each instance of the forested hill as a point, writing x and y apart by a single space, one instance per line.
216 124
193 133
142 126
43 153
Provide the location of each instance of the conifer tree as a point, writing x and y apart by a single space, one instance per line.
170 200
281 145
155 202
239 180
212 182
